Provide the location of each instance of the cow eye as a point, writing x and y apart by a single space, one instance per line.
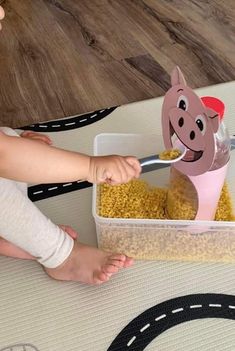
182 103
201 123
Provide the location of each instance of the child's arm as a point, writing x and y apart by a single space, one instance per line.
26 160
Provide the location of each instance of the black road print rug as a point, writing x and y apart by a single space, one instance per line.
167 306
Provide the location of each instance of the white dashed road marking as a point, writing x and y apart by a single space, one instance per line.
53 188
177 310
145 327
131 341
160 317
195 306
70 124
38 192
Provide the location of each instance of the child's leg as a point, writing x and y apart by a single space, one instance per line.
22 224
10 250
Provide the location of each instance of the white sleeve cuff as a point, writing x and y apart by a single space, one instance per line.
59 253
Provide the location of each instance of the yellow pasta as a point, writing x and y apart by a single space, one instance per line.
169 154
137 199
225 208
182 202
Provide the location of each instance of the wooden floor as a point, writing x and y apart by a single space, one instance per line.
64 57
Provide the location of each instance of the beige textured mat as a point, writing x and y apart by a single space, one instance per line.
178 306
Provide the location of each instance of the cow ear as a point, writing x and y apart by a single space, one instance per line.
214 119
177 77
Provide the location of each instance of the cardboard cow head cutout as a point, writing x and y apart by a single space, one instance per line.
186 120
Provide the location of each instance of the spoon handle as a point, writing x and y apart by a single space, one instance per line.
149 160
154 167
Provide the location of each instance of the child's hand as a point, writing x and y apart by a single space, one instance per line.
113 169
36 136
2 15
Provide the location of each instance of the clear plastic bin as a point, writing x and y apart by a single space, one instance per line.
184 240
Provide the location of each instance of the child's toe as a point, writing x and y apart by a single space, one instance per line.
101 277
129 262
116 263
118 257
110 268
121 260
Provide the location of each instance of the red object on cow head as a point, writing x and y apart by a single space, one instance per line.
214 104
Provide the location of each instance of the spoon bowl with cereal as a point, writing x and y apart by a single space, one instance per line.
165 158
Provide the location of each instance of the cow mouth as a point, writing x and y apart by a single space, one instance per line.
191 155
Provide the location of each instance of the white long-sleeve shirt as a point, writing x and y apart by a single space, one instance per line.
24 225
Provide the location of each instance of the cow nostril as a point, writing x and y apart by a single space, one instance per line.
192 135
181 122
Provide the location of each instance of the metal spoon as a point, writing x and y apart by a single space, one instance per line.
148 165
156 159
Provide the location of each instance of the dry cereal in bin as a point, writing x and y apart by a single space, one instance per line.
170 154
137 199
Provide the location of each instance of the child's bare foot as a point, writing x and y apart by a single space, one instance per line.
11 250
89 265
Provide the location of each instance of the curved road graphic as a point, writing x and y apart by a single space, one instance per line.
157 319
44 191
70 123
